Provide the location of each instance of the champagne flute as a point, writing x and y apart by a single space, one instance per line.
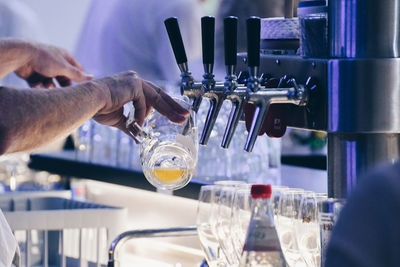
224 219
241 213
289 206
275 198
307 229
205 221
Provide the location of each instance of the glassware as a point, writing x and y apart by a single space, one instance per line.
124 150
215 160
276 197
307 229
84 141
206 221
168 151
287 217
328 213
262 247
224 219
241 212
104 143
229 183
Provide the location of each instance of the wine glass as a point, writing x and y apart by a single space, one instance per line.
223 226
241 213
307 229
275 198
206 221
229 183
287 217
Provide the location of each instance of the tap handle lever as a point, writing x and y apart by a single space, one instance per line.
175 37
253 41
230 40
207 38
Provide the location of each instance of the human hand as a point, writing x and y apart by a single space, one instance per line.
128 86
46 62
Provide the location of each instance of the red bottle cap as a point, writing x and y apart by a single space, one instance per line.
261 191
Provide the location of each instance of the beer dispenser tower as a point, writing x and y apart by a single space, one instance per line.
353 95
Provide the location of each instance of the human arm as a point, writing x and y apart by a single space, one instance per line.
31 118
39 63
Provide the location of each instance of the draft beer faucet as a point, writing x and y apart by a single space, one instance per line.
189 87
260 96
233 92
212 90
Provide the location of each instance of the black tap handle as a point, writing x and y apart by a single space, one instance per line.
175 37
207 38
230 40
253 41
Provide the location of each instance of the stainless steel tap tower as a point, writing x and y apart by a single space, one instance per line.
354 95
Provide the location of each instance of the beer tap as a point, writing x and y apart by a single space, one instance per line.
189 87
233 92
262 97
213 91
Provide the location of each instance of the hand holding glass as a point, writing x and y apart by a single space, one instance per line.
168 151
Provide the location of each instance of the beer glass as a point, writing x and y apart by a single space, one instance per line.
168 150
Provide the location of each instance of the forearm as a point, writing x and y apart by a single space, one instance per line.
31 118
14 53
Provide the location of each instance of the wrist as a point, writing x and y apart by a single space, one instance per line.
101 92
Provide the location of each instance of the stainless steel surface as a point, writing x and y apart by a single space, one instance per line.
165 232
214 92
191 89
216 97
314 115
351 155
208 69
183 67
356 96
238 99
253 83
364 28
262 99
237 95
364 95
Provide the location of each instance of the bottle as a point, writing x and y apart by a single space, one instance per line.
262 247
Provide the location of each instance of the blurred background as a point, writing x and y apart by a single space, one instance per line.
110 37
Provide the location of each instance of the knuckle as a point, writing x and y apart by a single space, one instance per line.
132 74
156 100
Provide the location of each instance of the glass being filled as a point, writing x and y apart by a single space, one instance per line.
168 151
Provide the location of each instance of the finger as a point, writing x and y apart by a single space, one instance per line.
63 81
36 85
178 108
148 109
159 103
35 78
140 109
73 73
48 83
73 61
